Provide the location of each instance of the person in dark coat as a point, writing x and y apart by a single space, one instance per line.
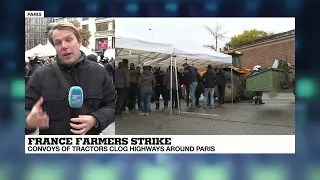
125 63
180 83
186 85
46 100
160 88
209 81
92 58
109 68
221 83
193 82
31 67
199 89
167 83
133 92
122 84
139 73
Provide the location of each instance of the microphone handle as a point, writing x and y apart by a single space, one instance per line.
75 114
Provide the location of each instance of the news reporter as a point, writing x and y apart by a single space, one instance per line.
52 114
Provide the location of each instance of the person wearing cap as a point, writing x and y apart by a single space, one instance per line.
46 99
256 95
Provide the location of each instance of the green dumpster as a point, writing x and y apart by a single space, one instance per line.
268 80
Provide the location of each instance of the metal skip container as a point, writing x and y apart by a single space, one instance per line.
268 80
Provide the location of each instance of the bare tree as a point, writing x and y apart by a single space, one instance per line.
217 34
210 46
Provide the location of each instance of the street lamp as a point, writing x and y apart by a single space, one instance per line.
152 32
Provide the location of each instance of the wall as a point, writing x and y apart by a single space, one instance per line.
265 54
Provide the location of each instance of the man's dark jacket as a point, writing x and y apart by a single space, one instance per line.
222 78
192 74
159 76
122 77
209 79
99 95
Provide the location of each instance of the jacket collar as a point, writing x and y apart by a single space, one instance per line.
78 64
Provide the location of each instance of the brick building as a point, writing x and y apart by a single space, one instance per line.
265 51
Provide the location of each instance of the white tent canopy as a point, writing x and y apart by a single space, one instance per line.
27 54
33 52
142 51
195 55
48 50
190 50
110 53
36 49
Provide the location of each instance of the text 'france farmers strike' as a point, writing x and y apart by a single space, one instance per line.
98 141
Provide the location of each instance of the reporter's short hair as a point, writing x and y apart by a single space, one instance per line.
64 25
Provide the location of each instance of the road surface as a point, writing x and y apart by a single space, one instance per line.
276 117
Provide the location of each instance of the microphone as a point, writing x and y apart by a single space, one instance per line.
75 99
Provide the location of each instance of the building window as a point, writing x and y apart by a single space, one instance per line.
102 26
110 25
98 27
84 19
86 27
72 19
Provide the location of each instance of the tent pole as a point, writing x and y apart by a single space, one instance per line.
171 84
177 82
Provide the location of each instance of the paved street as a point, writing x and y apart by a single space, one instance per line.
110 130
276 117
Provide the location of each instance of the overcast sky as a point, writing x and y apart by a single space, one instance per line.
170 30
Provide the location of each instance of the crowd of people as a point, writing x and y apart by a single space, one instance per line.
136 90
35 62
